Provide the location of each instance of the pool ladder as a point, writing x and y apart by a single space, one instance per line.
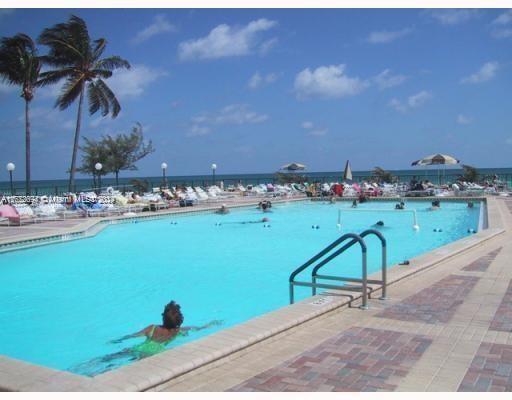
330 253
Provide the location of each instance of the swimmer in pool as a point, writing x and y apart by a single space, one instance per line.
436 205
157 337
255 222
379 224
222 210
265 205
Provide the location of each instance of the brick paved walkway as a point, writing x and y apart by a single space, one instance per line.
490 370
434 304
502 320
359 359
481 264
447 328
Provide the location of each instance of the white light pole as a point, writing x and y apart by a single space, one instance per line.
214 167
10 167
164 170
99 166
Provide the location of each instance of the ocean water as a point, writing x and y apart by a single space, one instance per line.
61 185
62 304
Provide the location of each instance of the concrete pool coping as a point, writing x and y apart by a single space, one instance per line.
16 375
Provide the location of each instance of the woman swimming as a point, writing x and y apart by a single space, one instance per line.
157 338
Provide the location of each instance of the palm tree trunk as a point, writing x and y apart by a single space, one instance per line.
75 144
117 180
27 148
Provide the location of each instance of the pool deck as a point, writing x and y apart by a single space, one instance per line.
447 326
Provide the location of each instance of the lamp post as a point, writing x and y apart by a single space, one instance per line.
10 167
164 169
99 166
214 167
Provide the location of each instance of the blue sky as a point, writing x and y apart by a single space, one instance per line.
253 89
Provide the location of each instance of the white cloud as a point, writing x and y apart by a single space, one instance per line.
502 25
509 141
227 41
125 83
46 121
257 80
129 83
268 45
386 80
314 130
503 19
418 99
198 130
50 91
397 105
387 36
502 33
327 82
463 119
318 132
234 114
453 16
413 101
160 25
485 73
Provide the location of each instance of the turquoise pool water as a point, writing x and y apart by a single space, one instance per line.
61 304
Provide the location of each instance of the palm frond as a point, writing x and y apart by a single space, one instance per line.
54 76
115 107
19 62
65 42
99 48
112 63
70 92
97 100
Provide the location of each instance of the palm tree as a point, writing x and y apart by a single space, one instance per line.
77 59
20 65
382 176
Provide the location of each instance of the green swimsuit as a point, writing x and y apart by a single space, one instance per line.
149 347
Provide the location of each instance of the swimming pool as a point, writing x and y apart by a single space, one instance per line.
61 304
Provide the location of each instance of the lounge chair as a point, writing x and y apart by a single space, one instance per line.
26 214
48 212
201 194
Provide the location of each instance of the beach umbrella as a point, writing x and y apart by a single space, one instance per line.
436 159
293 167
347 173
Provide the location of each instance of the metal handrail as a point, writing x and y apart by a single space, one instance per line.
383 282
355 239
